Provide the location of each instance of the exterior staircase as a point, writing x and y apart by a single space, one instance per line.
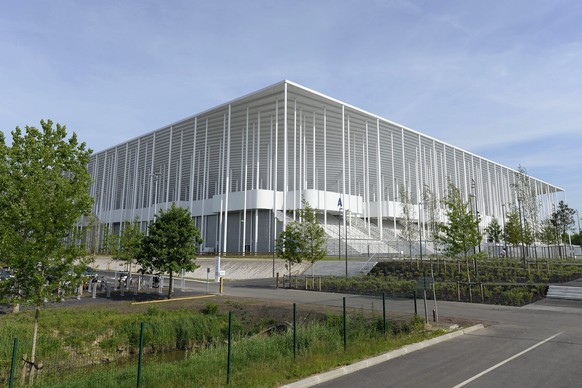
564 292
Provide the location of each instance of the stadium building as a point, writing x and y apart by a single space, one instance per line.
243 167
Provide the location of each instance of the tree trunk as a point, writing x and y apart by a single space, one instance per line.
170 285
34 337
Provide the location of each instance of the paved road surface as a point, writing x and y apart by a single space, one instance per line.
539 345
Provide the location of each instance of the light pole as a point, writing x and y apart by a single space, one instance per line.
156 177
274 234
346 240
521 228
474 187
339 234
503 220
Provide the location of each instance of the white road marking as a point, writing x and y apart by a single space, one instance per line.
506 361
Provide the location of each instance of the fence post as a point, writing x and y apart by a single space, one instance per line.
415 307
294 331
345 326
140 359
229 347
384 313
13 365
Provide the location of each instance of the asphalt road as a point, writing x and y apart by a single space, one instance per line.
538 345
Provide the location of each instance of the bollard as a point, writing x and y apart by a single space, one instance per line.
94 296
79 292
221 285
277 281
434 315
108 290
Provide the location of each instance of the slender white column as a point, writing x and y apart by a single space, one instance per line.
285 159
135 181
227 181
314 163
178 183
325 166
113 188
258 145
344 166
222 191
276 170
169 167
246 163
124 186
394 192
349 191
294 188
367 178
379 175
193 166
102 199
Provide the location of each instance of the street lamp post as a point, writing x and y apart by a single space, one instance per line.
346 241
274 234
339 234
155 176
504 234
521 229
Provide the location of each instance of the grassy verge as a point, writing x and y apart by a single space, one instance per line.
259 361
99 346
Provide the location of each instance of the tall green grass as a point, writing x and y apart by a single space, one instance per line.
258 361
98 348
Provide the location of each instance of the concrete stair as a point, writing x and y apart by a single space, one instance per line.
564 292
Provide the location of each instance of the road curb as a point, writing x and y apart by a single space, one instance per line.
345 370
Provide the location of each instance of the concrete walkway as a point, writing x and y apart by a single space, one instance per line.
250 268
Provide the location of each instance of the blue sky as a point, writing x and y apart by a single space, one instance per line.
502 79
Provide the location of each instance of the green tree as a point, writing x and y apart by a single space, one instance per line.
431 211
44 190
548 234
494 231
303 239
312 233
563 219
512 230
127 246
461 231
171 244
528 205
410 223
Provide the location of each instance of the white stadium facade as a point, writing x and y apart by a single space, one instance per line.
243 167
